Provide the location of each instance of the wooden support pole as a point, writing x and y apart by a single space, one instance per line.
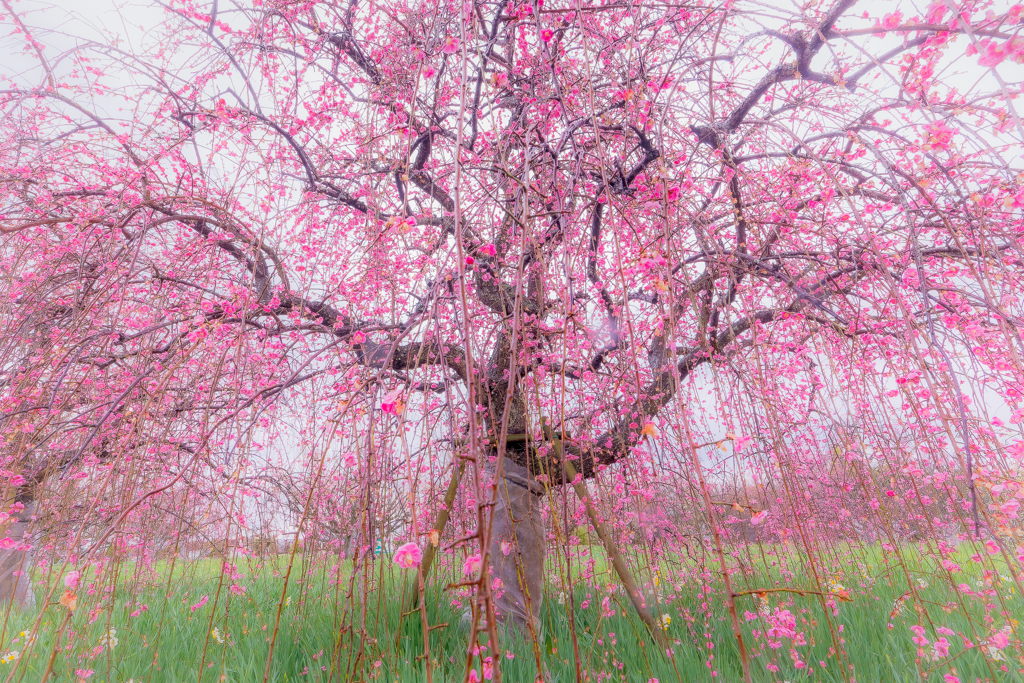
431 550
618 562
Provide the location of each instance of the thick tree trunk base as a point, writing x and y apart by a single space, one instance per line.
517 552
15 585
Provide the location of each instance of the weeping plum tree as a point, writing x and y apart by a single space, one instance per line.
387 241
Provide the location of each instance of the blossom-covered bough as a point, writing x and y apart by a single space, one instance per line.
326 253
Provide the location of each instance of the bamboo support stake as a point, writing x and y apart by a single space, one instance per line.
439 524
618 563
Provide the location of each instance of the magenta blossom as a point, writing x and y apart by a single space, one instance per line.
408 555
471 565
999 640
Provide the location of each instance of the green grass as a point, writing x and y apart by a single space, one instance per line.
320 634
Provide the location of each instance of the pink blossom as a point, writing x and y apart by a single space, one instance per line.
993 53
72 579
408 555
782 624
758 517
890 21
1015 202
472 565
199 604
451 45
546 35
392 402
939 135
935 12
999 640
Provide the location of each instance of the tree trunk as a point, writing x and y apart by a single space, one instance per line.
517 549
15 564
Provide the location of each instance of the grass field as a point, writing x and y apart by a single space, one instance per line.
166 633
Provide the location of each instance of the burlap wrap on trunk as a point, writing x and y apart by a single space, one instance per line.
517 549
15 564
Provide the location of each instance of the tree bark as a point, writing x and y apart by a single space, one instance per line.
15 564
517 549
